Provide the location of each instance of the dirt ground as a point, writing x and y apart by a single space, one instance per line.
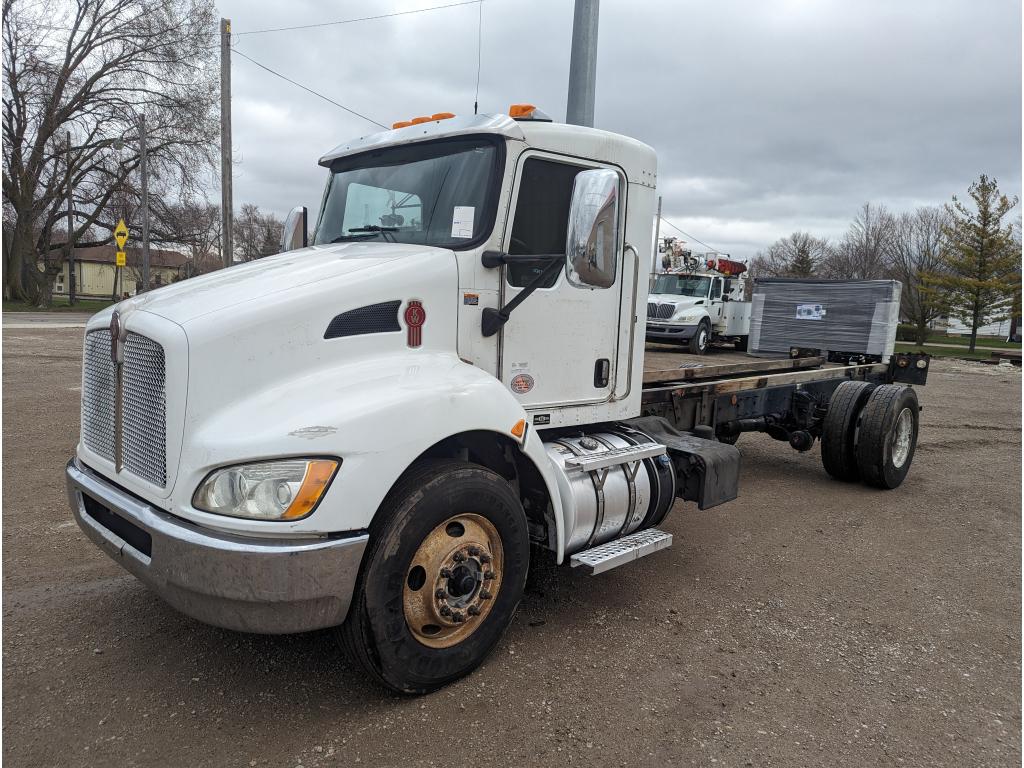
808 623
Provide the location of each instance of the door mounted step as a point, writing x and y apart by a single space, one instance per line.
621 551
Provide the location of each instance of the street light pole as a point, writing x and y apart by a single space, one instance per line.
583 64
226 204
144 171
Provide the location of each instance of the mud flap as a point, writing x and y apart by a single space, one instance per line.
707 471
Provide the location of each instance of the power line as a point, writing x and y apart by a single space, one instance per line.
479 53
691 237
309 90
353 21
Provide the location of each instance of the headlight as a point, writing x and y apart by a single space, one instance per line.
286 489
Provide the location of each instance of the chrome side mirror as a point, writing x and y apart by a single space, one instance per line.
591 249
294 234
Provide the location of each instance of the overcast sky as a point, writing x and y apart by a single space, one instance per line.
768 116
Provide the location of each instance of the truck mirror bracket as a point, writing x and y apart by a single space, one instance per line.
493 319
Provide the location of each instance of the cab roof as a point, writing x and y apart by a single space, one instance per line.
637 159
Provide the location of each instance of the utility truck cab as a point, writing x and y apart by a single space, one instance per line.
371 430
697 300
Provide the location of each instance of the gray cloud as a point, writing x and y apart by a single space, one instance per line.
767 117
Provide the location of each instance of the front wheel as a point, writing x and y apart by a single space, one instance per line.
441 579
701 339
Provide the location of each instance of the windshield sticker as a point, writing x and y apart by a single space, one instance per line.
462 221
810 312
522 383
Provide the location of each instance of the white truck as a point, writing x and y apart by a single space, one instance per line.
370 431
698 300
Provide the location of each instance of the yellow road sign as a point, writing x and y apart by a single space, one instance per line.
121 235
121 261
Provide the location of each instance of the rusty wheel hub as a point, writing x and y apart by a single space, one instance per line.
453 580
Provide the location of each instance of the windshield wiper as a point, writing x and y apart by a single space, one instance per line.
370 230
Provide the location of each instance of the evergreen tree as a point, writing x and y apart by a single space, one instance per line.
982 258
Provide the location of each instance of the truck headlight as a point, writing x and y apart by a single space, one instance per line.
285 489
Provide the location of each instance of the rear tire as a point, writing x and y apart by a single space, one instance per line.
838 433
701 339
743 343
887 436
442 515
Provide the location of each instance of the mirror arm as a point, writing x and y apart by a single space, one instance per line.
494 319
491 259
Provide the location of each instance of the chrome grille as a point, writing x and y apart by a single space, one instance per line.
143 404
652 309
665 311
98 384
144 414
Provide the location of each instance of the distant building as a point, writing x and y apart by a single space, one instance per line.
95 271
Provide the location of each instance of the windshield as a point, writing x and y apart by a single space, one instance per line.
682 285
441 194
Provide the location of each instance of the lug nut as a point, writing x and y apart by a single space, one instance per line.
473 610
439 594
485 558
489 575
458 618
458 557
485 595
445 573
446 611
474 551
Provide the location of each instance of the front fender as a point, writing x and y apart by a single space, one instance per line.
378 415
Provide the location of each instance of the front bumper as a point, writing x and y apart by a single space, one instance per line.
270 586
670 332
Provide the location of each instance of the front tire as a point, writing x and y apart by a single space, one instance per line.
887 437
701 339
445 570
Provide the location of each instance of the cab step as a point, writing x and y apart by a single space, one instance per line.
621 551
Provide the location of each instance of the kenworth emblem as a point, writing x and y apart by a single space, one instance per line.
415 317
117 356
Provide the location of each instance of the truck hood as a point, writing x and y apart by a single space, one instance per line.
190 299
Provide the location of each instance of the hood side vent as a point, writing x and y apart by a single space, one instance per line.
374 318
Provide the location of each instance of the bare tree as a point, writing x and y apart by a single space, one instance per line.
915 257
257 234
862 253
195 226
88 68
798 255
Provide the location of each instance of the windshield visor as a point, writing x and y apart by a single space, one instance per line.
441 193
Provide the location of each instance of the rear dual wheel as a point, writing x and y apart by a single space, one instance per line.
870 433
441 579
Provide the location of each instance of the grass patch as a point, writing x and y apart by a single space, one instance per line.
59 304
977 354
992 342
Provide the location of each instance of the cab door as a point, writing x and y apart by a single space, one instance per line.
558 348
715 301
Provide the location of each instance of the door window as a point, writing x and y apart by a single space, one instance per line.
716 288
542 216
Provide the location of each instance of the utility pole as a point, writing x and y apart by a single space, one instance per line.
71 229
583 64
144 171
226 204
657 231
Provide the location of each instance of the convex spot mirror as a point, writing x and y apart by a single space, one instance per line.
294 235
591 248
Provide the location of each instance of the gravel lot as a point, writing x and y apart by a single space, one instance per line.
807 623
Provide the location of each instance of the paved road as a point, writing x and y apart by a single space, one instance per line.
48 320
809 623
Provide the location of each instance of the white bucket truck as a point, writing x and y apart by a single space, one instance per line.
370 431
698 299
